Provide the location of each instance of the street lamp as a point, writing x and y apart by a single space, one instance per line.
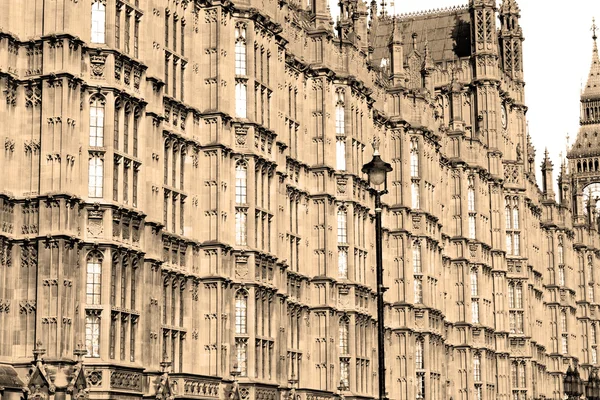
377 171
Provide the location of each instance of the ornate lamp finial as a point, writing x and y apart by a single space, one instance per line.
594 28
375 143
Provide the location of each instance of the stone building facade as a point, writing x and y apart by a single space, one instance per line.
182 202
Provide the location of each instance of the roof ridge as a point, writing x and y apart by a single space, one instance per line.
433 11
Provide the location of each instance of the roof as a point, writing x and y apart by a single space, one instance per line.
9 377
592 88
447 33
587 143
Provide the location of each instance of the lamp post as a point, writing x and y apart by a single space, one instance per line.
377 170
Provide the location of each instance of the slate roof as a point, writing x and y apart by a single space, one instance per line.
9 378
588 138
448 33
592 88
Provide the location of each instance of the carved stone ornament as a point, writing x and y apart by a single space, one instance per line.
97 64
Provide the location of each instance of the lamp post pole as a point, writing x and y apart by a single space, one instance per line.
380 291
377 171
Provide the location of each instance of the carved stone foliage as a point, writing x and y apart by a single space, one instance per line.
126 380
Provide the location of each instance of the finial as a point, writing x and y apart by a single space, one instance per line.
594 28
38 351
375 143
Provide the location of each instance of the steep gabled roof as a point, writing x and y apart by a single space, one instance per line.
447 33
592 88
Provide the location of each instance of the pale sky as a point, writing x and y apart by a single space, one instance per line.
557 55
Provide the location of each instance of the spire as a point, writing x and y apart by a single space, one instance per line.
547 177
592 88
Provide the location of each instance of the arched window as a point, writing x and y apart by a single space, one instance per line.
95 176
342 226
418 289
241 182
97 121
344 336
474 283
477 367
514 374
241 316
593 336
98 21
414 158
419 364
240 49
515 218
94 278
343 262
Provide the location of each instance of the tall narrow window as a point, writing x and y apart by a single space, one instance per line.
136 38
471 207
240 99
241 307
132 331
593 336
135 186
166 164
342 226
511 295
112 338
136 123
116 178
175 19
127 37
241 182
475 310
563 321
477 367
561 275
96 177
126 128
182 43
241 352
97 121
98 21
167 74
116 126
343 263
474 283
418 289
416 257
240 227
92 336
167 15
561 254
118 25
340 129
414 158
240 49
419 364
93 280
414 188
182 153
344 336
519 295
340 153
